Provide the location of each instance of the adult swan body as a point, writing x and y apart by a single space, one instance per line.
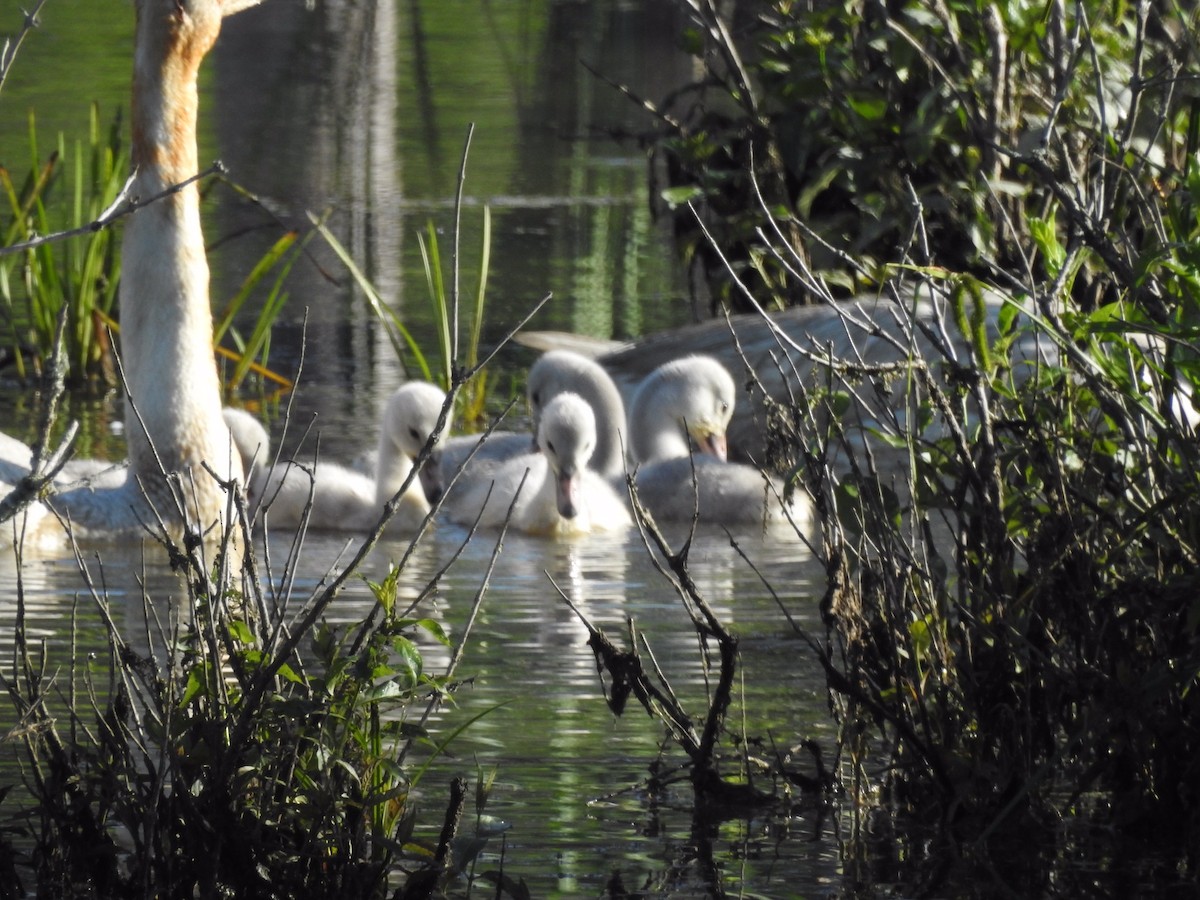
173 406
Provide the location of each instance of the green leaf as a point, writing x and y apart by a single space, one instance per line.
240 631
432 626
692 42
681 196
196 686
451 737
408 662
1045 235
918 632
260 270
870 108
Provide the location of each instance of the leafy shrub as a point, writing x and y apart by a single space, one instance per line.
1013 629
848 126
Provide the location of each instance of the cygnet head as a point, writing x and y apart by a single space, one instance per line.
410 417
567 437
559 371
686 399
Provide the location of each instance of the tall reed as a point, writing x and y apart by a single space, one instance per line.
67 190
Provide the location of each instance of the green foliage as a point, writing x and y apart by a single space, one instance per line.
858 136
1021 628
1012 614
68 190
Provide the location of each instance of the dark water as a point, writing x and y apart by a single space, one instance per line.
360 111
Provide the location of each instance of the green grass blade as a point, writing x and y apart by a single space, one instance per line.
485 257
431 258
269 260
385 314
445 742
274 303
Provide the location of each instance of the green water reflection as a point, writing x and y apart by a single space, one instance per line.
360 112
80 55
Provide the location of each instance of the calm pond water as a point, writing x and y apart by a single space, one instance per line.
570 776
361 111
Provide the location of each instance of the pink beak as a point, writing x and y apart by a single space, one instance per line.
715 445
567 494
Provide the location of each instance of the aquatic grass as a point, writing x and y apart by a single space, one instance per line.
71 261
239 745
253 351
445 307
398 334
447 303
79 274
280 767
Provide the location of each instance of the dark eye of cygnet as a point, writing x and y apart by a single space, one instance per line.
416 435
550 446
536 399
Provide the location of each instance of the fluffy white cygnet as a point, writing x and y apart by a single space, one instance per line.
556 372
683 405
16 459
565 371
558 494
341 498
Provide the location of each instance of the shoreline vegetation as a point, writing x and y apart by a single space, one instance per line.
1011 637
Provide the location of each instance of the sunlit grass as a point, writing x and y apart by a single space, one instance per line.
71 191
473 399
400 337
446 317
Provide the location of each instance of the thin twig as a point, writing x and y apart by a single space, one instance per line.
118 209
8 52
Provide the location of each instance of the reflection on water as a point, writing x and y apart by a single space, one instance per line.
375 135
571 776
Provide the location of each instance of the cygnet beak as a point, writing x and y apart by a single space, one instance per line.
431 480
714 444
567 493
